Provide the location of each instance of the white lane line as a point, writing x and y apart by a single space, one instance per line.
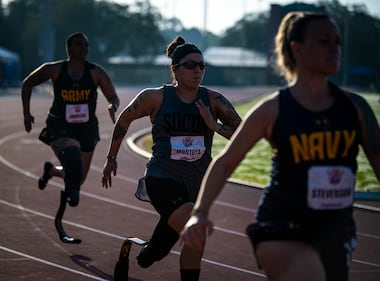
49 263
99 169
93 167
367 263
134 181
368 235
9 164
131 180
105 233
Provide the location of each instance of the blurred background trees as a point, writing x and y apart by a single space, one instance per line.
36 30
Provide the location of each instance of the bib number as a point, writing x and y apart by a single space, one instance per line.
77 113
187 148
330 187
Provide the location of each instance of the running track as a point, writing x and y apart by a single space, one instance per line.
30 248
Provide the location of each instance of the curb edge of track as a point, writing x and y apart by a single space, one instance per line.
134 138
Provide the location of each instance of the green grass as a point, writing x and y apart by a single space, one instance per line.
255 168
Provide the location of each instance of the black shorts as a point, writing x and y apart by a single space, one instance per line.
166 195
86 134
334 242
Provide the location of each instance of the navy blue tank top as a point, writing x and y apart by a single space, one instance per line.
308 145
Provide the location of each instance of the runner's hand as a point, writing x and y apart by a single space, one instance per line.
109 168
207 117
112 111
28 121
195 232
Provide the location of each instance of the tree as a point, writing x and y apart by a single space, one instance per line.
111 28
139 30
250 32
360 34
144 36
22 19
360 43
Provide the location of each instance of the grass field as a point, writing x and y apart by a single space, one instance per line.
255 167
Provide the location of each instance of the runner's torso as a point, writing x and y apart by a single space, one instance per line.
74 100
314 166
181 140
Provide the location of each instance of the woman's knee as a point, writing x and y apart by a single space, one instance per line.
180 216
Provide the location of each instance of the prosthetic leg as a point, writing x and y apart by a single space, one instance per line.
71 160
122 265
63 236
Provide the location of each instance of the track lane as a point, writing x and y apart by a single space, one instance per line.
104 217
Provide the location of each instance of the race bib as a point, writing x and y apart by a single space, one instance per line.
187 148
330 187
77 113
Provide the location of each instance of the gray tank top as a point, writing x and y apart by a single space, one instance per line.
181 140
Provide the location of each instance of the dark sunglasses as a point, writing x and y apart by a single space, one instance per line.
190 64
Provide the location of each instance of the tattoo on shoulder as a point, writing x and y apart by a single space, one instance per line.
136 105
219 98
230 114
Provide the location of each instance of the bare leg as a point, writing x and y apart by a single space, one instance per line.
87 158
189 258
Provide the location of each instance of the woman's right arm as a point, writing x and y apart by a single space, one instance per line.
144 104
38 76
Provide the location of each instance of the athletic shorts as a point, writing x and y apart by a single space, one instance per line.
166 195
334 242
87 134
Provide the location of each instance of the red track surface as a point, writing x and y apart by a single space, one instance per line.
29 245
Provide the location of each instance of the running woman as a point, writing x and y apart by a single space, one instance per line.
304 227
71 125
184 118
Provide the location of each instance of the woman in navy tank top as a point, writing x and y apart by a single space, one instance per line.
304 227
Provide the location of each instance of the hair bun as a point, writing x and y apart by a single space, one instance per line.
178 41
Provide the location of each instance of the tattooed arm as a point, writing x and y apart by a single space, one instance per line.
226 113
370 133
144 104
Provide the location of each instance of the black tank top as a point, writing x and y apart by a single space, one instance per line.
303 139
75 95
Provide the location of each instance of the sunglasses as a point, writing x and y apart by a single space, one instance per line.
190 64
